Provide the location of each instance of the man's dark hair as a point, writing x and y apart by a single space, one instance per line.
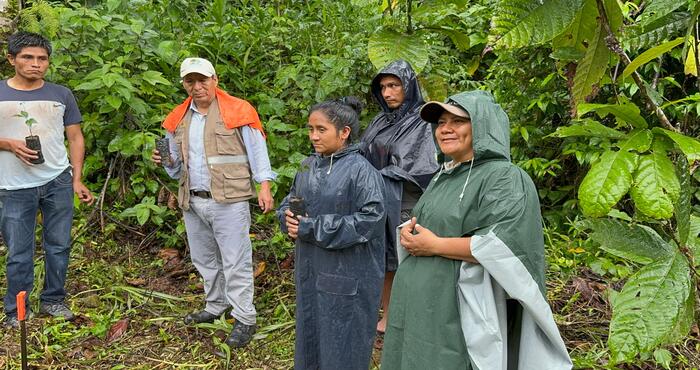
22 39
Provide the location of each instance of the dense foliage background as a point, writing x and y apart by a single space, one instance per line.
603 100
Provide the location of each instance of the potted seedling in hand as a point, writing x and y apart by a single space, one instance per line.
32 141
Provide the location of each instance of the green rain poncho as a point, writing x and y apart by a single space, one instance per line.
449 314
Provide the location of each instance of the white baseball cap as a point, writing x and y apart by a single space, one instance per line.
196 65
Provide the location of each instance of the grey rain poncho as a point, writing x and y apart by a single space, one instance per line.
339 263
450 314
401 146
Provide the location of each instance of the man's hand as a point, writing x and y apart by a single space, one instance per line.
265 200
83 193
155 157
20 150
420 244
292 223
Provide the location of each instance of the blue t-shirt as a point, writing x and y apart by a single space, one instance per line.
52 107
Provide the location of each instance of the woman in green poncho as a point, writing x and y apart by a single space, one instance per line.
469 291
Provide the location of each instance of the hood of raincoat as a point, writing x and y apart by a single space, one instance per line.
490 125
413 99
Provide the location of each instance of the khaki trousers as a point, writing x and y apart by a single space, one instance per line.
218 234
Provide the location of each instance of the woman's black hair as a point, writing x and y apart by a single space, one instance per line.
342 112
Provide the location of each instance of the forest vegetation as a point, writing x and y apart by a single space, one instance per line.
604 102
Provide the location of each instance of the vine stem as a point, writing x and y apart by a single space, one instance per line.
614 45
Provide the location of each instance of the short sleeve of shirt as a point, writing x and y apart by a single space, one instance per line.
72 114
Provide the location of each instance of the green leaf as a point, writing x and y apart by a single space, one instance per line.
607 181
663 357
142 214
689 146
627 112
649 307
519 23
656 186
642 37
387 46
694 238
650 55
114 101
690 66
591 68
460 40
167 50
682 206
637 140
579 32
657 9
154 78
637 243
587 127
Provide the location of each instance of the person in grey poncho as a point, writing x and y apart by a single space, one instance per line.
339 246
400 145
469 291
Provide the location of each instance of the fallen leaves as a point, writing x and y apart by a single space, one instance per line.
117 330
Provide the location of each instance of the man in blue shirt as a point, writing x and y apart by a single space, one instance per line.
51 111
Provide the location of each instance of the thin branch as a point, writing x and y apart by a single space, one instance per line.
409 6
696 36
657 75
614 45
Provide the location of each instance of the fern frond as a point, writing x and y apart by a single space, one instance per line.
40 18
520 23
658 9
643 37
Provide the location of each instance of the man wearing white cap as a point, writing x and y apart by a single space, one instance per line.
217 150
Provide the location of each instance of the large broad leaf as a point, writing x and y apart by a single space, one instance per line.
694 238
591 68
580 31
682 206
628 112
608 180
387 46
657 9
654 33
637 140
637 243
519 23
689 146
656 186
650 55
587 127
649 307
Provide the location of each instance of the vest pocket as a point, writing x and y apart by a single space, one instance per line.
226 142
237 186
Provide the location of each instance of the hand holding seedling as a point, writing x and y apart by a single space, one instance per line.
19 149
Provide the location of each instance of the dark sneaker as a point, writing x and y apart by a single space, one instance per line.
57 310
241 335
11 321
200 317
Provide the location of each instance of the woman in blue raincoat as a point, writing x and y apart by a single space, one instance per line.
339 243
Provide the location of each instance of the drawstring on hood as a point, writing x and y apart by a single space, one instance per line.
471 164
331 165
452 165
